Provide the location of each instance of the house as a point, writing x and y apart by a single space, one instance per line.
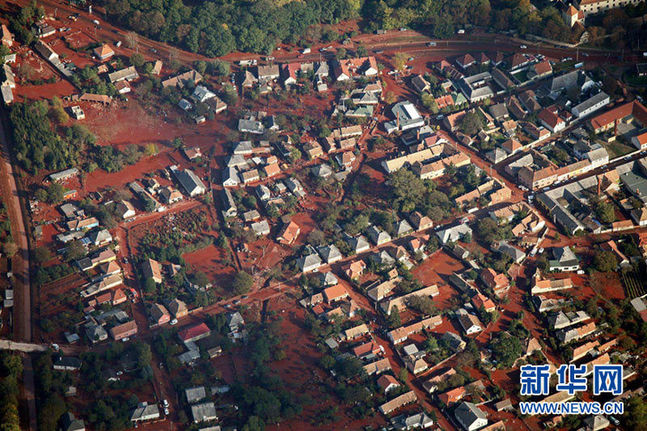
145 412
420 222
236 324
358 244
400 302
189 181
250 176
195 394
387 383
406 117
269 72
469 322
82 224
125 210
100 237
181 80
452 396
335 293
378 236
309 262
396 403
71 423
119 297
202 94
289 233
590 105
330 253
192 153
354 270
152 269
67 363
127 74
377 367
420 84
455 233
204 412
95 333
481 301
573 16
346 69
251 126
124 330
103 52
551 120
400 334
194 333
261 228
178 308
169 195
159 314
563 260
540 70
454 341
7 37
414 421
465 61
470 417
356 331
495 281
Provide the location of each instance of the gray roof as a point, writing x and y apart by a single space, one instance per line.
261 227
190 181
204 412
591 101
251 126
195 394
359 243
453 233
309 262
145 412
329 252
243 147
498 111
468 413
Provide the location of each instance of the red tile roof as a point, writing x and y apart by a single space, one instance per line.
192 332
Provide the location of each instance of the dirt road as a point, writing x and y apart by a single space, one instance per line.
22 292
21 283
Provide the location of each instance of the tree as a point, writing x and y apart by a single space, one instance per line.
471 124
361 51
201 279
9 248
75 250
242 283
41 255
635 417
394 320
506 349
55 193
423 304
400 60
137 60
605 261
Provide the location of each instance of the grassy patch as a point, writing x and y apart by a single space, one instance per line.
617 149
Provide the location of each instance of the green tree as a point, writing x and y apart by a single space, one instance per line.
471 124
242 283
605 261
394 320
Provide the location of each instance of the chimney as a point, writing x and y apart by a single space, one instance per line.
418 135
397 119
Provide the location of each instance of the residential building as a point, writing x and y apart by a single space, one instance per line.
470 417
124 330
398 402
204 412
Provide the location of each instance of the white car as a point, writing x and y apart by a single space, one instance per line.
523 47
165 403
173 322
